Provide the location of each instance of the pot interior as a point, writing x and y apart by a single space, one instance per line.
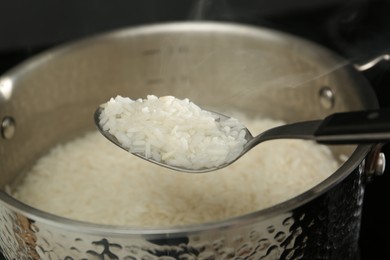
223 67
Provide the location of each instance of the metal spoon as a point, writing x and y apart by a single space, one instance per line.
358 127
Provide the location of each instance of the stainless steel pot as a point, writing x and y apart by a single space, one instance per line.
51 98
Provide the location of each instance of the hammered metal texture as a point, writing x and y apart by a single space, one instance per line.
325 228
18 236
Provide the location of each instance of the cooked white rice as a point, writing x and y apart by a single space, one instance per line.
90 179
174 131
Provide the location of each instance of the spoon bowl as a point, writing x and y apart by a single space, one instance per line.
357 127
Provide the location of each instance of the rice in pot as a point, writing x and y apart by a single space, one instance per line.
92 180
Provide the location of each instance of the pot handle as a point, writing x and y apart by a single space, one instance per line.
368 65
375 163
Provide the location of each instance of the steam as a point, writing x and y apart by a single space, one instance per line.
222 10
267 14
200 10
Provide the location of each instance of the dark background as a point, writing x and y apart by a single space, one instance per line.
356 29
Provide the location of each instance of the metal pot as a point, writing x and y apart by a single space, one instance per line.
51 98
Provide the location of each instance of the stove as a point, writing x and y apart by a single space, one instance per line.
358 30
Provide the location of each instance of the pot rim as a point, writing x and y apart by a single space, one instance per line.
177 231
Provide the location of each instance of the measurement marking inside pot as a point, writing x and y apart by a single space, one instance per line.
154 81
151 52
169 50
183 49
169 80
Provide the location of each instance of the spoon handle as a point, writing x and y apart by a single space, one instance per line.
371 126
